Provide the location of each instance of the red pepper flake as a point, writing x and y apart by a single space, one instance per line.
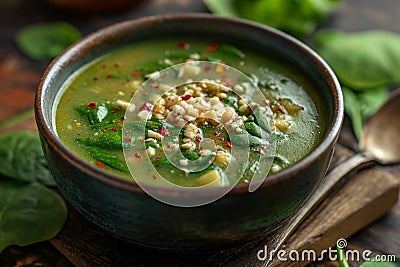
146 106
168 146
95 78
114 110
145 93
127 140
216 133
91 105
137 155
157 164
113 129
100 164
280 109
186 97
135 74
104 130
68 99
108 76
154 176
212 47
122 117
228 144
127 80
222 139
163 131
154 84
103 66
184 45
198 138
280 99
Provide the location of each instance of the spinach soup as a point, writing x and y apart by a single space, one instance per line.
91 112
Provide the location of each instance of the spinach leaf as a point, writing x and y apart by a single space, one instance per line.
298 17
29 213
44 41
374 263
108 140
362 60
359 106
107 158
22 158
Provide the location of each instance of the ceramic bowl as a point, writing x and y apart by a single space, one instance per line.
121 208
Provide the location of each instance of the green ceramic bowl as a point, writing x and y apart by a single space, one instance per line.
120 207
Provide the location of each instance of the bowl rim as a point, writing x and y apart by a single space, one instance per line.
328 140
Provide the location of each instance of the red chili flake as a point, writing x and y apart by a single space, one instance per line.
157 164
114 110
216 133
163 131
108 76
104 130
95 78
168 146
280 109
127 80
122 117
222 139
145 93
228 144
280 99
103 66
135 74
68 99
100 164
212 47
154 176
146 106
127 140
154 84
158 158
91 105
198 138
113 129
137 155
186 97
184 45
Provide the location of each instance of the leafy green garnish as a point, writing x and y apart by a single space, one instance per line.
359 106
44 41
29 213
297 17
362 60
22 158
107 158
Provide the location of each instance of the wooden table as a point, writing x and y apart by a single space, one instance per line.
19 77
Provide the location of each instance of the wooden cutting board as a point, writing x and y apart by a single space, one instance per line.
365 196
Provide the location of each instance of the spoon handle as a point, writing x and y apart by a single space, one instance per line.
329 182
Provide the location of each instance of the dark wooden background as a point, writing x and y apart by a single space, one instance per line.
19 77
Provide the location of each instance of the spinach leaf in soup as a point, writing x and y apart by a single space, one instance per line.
29 213
22 158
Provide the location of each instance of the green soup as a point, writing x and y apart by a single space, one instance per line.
91 110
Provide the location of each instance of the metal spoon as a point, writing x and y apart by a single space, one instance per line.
379 143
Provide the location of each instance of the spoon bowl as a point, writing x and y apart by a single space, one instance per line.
381 134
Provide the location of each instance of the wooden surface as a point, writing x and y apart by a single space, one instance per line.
20 75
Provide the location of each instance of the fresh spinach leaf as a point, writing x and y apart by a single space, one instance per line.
29 213
359 106
374 263
361 60
22 158
44 41
297 17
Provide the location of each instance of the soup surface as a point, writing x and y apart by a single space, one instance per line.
91 112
